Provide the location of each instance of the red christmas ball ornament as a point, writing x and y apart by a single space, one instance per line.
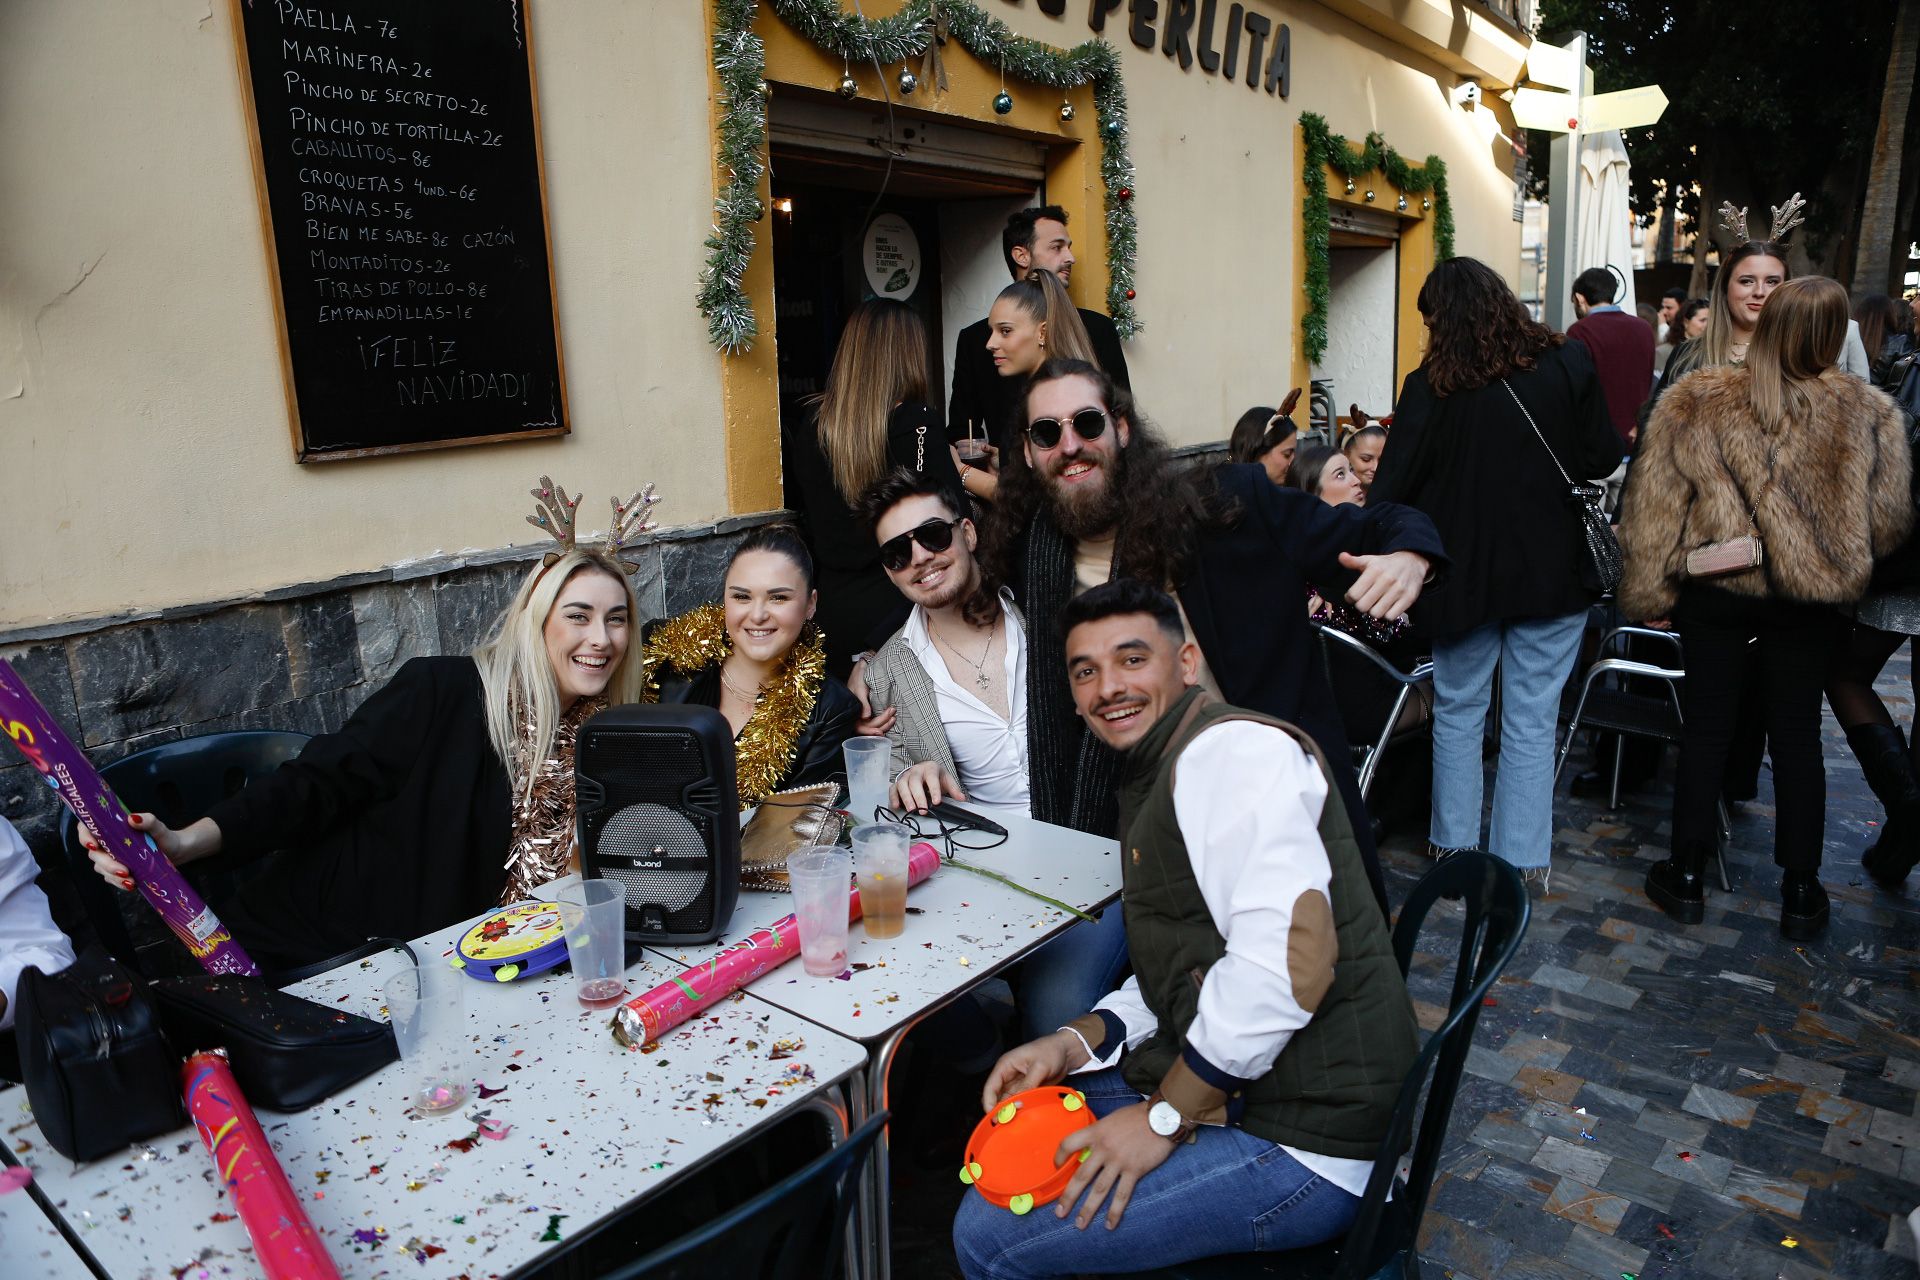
1129 295
1125 193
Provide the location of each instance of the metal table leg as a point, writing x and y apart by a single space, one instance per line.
879 1066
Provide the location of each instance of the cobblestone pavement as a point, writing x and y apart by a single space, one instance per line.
1652 1101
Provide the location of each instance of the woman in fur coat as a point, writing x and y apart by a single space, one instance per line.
1788 449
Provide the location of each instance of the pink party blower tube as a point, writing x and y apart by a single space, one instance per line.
284 1239
652 1014
97 809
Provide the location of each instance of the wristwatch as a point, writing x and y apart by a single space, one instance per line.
1164 1119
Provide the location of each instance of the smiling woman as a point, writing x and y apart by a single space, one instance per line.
459 767
757 657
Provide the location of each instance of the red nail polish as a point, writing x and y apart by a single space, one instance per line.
126 884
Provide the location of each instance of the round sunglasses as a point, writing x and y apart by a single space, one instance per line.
935 535
1088 424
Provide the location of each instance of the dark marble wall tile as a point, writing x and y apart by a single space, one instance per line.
692 571
468 602
394 621
137 679
323 646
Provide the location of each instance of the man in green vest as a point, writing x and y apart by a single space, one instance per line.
1244 1078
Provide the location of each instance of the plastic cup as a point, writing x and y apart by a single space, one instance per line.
867 761
880 863
973 452
591 917
819 875
427 1005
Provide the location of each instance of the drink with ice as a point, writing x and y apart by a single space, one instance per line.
880 861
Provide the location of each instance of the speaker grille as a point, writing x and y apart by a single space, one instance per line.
657 855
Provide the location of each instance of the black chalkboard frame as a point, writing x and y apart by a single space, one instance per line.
302 452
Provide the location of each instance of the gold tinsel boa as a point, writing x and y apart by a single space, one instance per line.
541 849
763 752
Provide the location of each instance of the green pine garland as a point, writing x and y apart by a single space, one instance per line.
739 62
1326 148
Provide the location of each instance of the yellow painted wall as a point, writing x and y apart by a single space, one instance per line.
143 433
143 426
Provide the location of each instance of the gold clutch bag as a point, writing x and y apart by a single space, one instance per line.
784 822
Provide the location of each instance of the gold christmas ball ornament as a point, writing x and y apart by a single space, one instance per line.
849 87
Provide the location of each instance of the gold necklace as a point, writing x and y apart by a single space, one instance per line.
751 697
980 678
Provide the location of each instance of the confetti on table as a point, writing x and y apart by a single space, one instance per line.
487 1091
1789 1243
493 1130
14 1177
552 1233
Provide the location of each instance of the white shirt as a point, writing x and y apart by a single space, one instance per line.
27 932
1248 801
990 753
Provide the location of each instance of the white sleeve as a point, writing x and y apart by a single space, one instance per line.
28 935
1248 800
1131 1009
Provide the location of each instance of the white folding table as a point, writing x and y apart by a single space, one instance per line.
591 1130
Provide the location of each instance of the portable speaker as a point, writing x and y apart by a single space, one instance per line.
660 816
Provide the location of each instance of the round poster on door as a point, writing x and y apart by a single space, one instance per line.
891 256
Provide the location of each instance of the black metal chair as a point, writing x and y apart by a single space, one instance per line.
794 1230
1381 1243
178 782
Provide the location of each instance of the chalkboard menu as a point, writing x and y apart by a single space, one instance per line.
397 152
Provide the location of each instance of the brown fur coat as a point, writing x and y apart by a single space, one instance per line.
1839 498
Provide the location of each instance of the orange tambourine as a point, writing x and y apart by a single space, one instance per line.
1010 1155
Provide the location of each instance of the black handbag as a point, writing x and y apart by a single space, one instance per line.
1601 563
287 1052
98 1070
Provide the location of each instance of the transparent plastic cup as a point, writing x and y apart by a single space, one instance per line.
591 915
820 876
867 767
880 864
428 1006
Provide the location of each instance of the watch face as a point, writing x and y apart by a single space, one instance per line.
1163 1119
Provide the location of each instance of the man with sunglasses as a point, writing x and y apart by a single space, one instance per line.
1244 1079
1095 494
1033 237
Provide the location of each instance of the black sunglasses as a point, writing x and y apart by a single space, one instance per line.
935 535
1088 424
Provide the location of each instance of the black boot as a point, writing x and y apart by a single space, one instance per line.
1678 887
1882 753
1803 905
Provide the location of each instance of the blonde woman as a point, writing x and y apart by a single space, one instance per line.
873 416
1814 464
450 789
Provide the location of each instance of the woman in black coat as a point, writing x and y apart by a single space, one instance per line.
449 791
1464 451
872 418
757 657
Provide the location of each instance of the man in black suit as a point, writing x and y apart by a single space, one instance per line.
1035 237
1093 494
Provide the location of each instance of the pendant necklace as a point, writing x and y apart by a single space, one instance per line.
752 698
980 678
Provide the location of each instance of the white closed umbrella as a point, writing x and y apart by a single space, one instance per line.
1605 234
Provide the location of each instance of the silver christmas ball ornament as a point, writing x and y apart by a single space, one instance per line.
1002 103
908 82
1066 113
1369 196
849 87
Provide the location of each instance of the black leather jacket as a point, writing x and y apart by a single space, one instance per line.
816 752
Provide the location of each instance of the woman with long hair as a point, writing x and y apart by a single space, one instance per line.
1363 449
1266 436
1746 278
874 416
757 657
1498 410
1031 321
1885 331
1690 321
450 789
1323 471
1760 498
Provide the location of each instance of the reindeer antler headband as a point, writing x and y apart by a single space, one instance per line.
553 511
1785 218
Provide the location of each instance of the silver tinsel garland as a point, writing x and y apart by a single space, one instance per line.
739 62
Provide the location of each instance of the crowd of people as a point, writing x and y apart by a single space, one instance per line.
1053 620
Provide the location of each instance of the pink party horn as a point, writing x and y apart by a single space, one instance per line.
96 808
653 1013
284 1239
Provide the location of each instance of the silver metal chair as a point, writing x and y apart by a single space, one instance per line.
1629 714
1332 638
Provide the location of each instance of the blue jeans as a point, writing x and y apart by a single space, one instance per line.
1228 1192
1535 657
1069 975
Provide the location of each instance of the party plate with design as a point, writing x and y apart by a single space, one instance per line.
514 942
